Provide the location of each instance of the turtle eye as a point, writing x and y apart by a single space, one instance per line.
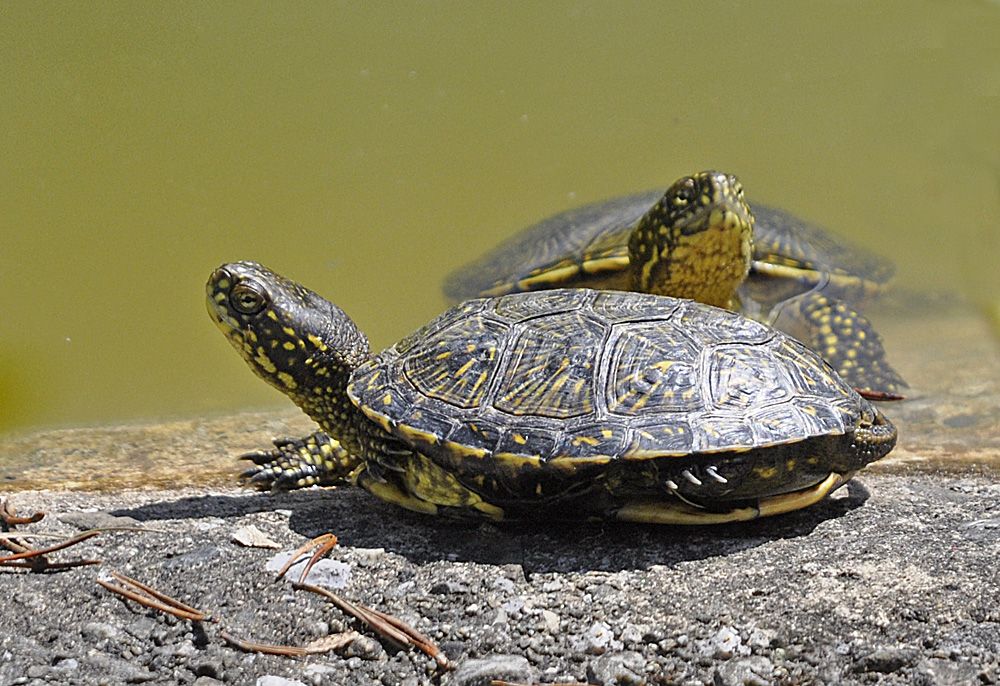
247 299
685 194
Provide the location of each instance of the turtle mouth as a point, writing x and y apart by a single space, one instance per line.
725 214
217 292
235 328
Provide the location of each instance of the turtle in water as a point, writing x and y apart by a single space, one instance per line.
571 403
701 240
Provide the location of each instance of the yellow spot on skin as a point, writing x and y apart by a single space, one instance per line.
264 362
288 345
287 380
272 315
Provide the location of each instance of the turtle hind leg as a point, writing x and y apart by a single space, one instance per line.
316 459
845 338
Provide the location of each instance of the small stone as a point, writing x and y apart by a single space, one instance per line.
551 620
725 643
252 537
884 660
504 584
210 666
760 638
67 665
617 669
193 558
185 649
96 631
97 520
364 647
327 573
811 568
142 628
368 557
478 672
513 605
931 672
271 680
320 673
745 671
597 639
448 587
633 635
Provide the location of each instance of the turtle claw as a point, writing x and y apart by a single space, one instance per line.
881 396
316 460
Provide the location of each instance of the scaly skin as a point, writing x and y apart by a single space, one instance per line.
271 322
696 241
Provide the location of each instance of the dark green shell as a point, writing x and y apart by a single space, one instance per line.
555 380
581 247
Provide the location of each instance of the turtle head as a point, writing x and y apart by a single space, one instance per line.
696 242
300 343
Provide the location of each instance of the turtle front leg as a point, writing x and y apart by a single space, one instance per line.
316 460
845 338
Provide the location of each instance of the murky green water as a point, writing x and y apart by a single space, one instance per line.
367 149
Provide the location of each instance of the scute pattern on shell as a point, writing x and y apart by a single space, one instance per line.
578 374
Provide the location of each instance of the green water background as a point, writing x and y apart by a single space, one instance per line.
366 149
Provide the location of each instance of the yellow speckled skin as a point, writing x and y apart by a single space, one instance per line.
567 403
696 242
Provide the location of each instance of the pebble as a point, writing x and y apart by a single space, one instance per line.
551 620
884 660
207 665
617 669
364 647
502 667
725 643
753 670
327 573
931 672
368 557
95 631
271 680
96 520
597 639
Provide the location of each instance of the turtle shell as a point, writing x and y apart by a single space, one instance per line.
588 247
569 381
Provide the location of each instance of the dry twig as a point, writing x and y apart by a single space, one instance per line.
385 624
145 595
